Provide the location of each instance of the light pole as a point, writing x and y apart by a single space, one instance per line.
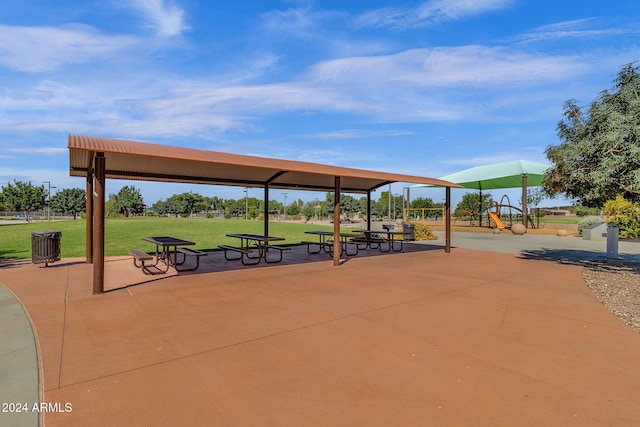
246 202
406 204
49 187
394 208
284 209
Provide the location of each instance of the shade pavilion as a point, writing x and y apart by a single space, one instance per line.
513 174
98 158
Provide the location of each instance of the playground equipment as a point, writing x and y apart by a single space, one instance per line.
422 214
499 218
496 220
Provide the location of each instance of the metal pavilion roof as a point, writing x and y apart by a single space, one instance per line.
135 160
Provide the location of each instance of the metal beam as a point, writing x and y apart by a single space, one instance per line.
89 211
266 209
447 245
524 200
336 222
274 176
98 223
369 210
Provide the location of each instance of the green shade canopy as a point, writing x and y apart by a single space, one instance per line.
499 175
515 174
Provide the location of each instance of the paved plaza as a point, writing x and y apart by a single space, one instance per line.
501 332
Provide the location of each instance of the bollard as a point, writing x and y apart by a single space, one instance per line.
612 242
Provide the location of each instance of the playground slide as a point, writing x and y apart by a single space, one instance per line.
495 219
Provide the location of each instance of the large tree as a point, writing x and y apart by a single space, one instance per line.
128 201
24 197
470 206
599 156
70 201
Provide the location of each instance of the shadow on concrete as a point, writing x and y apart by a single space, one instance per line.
582 258
12 262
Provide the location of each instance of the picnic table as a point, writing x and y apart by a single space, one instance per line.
324 243
253 248
167 250
370 237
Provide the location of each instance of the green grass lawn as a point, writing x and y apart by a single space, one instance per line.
559 220
122 234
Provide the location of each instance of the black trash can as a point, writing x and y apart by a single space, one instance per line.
409 231
45 247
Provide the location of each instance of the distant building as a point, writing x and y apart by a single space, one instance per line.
557 210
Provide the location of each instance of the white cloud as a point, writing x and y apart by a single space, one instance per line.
301 22
428 70
399 88
576 29
45 151
428 13
358 134
165 19
41 49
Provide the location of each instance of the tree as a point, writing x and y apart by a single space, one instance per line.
599 156
160 208
424 203
381 208
24 197
470 205
348 204
128 201
70 201
315 209
185 204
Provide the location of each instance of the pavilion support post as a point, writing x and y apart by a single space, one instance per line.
524 200
266 209
98 223
336 223
89 218
368 210
480 205
447 245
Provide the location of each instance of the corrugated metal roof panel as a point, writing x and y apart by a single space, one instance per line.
152 162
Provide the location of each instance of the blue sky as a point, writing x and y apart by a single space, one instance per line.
422 88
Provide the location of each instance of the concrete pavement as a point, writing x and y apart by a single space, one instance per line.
504 333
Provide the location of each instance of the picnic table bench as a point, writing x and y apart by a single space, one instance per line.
140 257
167 250
377 237
346 240
190 252
253 248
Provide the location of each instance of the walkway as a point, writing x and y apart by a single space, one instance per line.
418 338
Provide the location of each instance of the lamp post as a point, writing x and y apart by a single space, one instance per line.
406 204
394 208
49 187
246 202
284 209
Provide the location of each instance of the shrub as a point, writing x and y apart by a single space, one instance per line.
625 215
582 211
422 231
